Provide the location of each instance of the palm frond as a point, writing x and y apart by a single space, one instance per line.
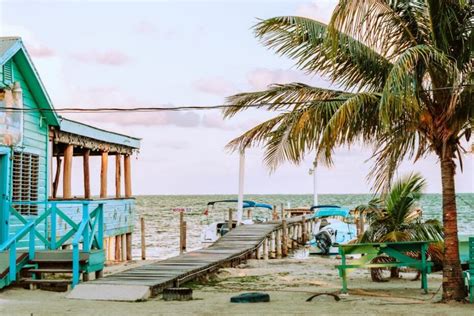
353 120
279 97
374 23
350 63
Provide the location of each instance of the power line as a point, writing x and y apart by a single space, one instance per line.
189 107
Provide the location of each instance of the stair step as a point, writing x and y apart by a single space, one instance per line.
48 281
50 270
52 260
56 285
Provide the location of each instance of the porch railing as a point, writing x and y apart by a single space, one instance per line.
11 246
88 232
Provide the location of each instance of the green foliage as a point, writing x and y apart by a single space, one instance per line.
404 69
396 216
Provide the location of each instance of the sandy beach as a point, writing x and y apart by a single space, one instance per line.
288 281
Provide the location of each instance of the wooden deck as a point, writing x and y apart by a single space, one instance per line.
149 280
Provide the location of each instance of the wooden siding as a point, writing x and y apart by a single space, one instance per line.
119 216
35 141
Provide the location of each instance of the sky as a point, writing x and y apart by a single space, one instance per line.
156 53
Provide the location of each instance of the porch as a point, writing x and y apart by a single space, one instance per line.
66 232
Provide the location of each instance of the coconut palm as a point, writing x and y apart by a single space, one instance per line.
396 216
404 72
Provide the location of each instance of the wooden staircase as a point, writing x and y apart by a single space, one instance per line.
52 270
21 261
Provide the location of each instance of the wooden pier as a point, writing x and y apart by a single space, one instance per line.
258 241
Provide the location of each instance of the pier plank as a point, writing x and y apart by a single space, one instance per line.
236 245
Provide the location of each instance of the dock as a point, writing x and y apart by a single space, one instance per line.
258 241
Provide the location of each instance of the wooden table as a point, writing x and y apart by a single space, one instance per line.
396 250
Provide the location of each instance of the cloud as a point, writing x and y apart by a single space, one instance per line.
216 86
40 51
108 58
150 29
214 120
320 10
146 119
35 47
260 78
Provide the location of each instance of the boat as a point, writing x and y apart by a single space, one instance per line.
213 231
334 227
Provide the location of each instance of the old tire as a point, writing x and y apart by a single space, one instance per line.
253 297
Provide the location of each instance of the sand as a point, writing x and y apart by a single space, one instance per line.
288 281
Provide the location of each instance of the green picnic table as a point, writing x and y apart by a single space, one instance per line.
396 250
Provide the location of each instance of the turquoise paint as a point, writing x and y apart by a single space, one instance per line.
4 192
13 48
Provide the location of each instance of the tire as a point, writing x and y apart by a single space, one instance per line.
253 297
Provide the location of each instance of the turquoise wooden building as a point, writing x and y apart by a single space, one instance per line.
44 229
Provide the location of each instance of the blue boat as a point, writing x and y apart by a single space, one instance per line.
334 227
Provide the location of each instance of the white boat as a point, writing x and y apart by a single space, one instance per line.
213 231
334 227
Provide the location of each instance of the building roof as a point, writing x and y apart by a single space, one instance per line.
77 128
13 48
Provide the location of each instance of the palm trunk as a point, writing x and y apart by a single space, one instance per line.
453 284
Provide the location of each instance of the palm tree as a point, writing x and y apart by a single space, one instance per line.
396 217
404 68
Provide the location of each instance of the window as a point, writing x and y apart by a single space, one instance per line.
25 181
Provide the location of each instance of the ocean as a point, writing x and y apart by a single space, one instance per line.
162 223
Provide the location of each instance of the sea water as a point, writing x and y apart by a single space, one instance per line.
162 223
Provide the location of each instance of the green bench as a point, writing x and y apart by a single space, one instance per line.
469 274
396 250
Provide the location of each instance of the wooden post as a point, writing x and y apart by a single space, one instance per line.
182 233
265 249
103 174
259 252
278 243
127 175
86 170
68 155
304 230
272 246
123 248
105 243
284 239
294 237
118 244
249 213
129 246
56 177
143 245
282 210
185 227
118 175
230 220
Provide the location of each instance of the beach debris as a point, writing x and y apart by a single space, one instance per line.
301 253
251 297
336 297
177 294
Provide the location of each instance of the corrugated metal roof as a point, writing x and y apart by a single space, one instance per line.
77 128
